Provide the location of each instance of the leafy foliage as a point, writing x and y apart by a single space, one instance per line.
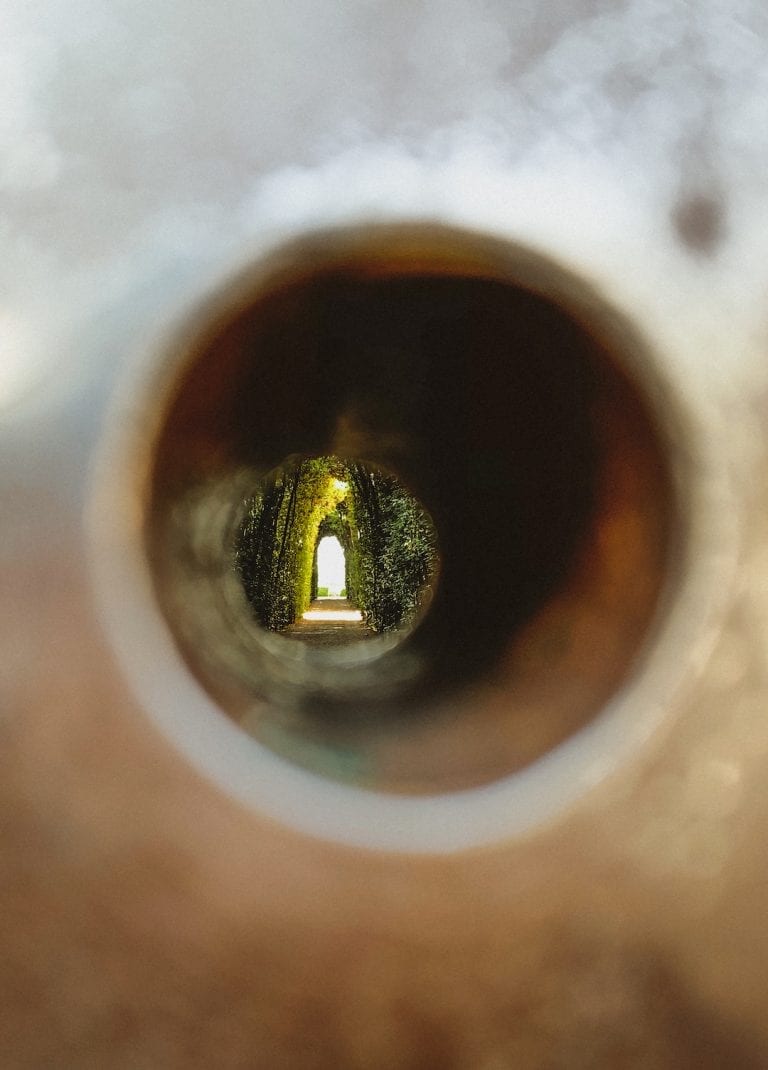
396 550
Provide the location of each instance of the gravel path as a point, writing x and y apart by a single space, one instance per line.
329 622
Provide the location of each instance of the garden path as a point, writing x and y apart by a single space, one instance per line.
329 622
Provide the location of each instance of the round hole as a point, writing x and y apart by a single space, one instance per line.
336 556
505 400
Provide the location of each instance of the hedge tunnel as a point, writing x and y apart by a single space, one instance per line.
389 542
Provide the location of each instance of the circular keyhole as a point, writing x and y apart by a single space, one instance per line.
488 387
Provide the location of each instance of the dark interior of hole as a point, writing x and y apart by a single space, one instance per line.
478 394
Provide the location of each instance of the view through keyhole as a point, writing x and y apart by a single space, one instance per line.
333 552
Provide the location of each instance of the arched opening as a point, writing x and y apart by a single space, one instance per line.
331 568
